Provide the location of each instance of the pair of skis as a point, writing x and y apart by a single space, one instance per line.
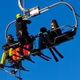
52 49
41 55
15 70
10 73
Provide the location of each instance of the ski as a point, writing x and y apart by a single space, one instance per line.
61 56
10 73
54 56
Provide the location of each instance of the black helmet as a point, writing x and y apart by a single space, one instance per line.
43 29
10 38
55 22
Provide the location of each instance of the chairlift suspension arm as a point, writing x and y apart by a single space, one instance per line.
40 11
20 4
31 12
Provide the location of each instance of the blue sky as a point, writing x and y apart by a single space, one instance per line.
67 68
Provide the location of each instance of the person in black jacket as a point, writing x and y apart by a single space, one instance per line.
55 28
21 29
42 38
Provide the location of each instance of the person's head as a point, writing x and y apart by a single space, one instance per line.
10 38
54 24
43 29
18 16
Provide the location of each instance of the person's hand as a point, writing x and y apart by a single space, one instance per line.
1 66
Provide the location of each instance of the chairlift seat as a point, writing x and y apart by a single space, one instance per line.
64 37
54 39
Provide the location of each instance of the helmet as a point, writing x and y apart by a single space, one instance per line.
43 29
54 24
10 38
18 16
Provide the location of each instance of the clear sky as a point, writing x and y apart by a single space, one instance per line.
67 68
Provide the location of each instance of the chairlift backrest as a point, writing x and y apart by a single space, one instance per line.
65 36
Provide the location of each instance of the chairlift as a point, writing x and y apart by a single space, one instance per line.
65 36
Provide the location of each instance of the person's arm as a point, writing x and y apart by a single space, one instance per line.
5 47
4 57
14 45
27 21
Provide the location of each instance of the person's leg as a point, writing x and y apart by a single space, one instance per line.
10 51
26 52
3 59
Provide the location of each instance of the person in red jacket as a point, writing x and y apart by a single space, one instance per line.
13 51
